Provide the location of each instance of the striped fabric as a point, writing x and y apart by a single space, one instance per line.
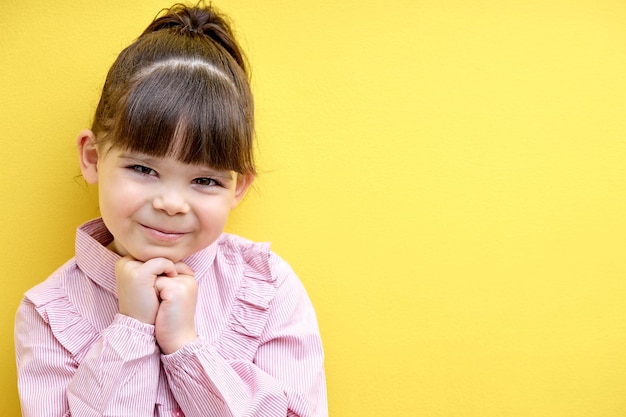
258 352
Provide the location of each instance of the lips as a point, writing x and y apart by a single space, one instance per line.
162 233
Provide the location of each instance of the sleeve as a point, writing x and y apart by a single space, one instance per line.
285 375
119 375
66 369
44 367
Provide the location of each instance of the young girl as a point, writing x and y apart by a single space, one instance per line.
160 313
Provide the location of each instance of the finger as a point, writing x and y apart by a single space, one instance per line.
160 284
184 269
161 266
181 282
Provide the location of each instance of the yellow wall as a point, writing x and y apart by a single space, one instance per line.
448 177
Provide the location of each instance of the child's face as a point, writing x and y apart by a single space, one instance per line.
160 207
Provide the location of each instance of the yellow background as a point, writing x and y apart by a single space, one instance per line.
447 177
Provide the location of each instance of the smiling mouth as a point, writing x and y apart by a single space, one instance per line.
165 235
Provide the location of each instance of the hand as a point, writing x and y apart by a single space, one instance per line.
136 292
175 324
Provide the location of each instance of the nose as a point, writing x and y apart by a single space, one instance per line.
171 200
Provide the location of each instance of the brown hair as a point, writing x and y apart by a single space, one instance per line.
181 90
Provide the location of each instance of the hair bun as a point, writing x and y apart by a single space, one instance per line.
198 20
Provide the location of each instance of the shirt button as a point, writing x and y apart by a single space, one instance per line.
178 413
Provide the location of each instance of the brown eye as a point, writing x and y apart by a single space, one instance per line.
142 170
205 182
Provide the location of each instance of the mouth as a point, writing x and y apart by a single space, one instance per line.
163 234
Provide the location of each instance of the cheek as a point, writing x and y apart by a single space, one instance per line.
214 215
118 198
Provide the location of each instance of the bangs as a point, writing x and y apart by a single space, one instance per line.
192 113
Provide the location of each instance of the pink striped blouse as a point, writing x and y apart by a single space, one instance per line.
258 352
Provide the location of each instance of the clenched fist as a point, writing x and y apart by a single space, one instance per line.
162 293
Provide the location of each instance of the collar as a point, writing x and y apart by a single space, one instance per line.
98 262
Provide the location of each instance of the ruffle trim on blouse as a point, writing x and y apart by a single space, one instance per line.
74 332
250 312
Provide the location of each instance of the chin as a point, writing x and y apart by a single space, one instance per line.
144 255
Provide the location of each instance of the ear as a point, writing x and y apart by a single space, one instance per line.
243 183
88 155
